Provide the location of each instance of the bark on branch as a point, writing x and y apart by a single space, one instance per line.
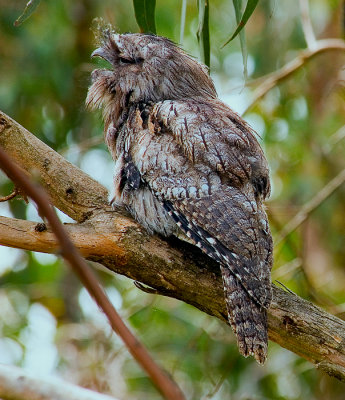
174 268
72 256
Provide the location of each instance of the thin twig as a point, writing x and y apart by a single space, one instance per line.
10 196
271 80
338 136
82 146
165 385
217 387
306 24
19 384
286 288
286 268
310 206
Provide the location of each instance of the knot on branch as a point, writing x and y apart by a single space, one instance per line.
3 124
40 227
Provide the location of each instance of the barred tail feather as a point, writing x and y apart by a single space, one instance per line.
247 318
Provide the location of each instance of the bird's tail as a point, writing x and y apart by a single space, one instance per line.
247 318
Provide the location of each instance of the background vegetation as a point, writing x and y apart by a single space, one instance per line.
48 323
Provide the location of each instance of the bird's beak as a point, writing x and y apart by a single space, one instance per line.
103 53
100 52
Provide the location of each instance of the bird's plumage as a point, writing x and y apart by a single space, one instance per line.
185 161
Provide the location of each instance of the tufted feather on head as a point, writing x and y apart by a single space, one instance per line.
144 68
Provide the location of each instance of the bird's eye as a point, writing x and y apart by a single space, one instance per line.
124 60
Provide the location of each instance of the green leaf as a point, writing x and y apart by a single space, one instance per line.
251 5
203 33
183 20
242 35
145 15
29 9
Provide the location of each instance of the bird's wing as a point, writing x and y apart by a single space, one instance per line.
226 222
211 134
224 225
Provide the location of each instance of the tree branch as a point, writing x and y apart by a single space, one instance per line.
271 80
70 253
76 194
18 384
310 206
307 26
174 268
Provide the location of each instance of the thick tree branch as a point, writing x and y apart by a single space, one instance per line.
70 253
177 269
76 194
173 267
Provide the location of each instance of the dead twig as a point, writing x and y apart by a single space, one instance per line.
310 206
307 27
10 196
271 80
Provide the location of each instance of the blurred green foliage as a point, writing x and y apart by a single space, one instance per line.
49 324
144 11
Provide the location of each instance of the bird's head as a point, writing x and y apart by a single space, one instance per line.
145 68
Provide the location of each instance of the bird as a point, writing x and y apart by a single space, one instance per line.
186 162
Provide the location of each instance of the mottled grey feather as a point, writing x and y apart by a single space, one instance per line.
185 161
